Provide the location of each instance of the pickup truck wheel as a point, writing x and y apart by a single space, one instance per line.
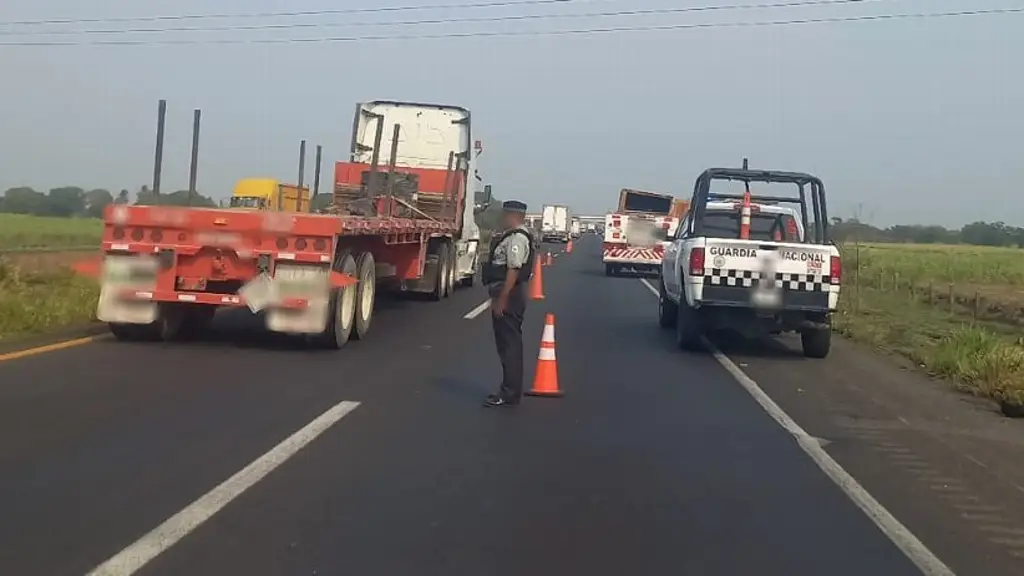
366 294
817 342
668 314
689 327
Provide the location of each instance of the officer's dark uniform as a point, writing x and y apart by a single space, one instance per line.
512 248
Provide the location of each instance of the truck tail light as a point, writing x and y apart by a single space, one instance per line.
697 262
835 269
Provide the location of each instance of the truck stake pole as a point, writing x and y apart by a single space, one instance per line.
371 183
391 168
158 160
316 171
193 170
302 175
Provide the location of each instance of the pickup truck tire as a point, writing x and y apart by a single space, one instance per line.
366 294
689 327
668 314
817 342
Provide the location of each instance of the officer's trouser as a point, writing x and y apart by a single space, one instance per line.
508 336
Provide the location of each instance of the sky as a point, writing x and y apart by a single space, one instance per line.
906 121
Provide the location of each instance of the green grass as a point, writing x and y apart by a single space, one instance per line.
43 302
954 310
20 232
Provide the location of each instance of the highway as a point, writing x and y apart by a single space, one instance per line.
379 459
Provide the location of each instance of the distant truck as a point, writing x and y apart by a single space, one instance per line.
270 194
575 229
635 234
555 224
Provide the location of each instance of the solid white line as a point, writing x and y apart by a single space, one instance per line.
900 535
161 538
478 310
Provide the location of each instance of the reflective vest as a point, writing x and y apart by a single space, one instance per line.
493 273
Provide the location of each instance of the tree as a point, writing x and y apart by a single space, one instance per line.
25 200
122 197
66 201
96 200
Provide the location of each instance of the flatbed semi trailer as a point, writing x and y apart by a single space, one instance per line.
406 226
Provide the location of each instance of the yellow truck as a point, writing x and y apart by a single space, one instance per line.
270 195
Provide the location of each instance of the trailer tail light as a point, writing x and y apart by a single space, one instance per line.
697 262
835 270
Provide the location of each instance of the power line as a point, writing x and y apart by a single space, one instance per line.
335 11
473 19
525 33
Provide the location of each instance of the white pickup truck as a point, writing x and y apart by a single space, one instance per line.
784 276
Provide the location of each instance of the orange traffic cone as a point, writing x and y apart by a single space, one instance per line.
548 261
568 247
536 283
545 379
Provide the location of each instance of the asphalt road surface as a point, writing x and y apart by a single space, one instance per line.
246 454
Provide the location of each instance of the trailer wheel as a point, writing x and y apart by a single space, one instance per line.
342 306
366 293
133 332
441 282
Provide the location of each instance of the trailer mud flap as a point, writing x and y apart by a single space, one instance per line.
122 275
311 283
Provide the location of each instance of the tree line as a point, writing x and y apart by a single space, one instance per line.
77 202
74 201
976 233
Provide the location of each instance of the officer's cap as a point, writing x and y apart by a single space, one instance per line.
513 206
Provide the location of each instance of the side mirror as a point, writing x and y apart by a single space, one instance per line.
482 200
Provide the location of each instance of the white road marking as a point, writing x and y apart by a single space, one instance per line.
134 557
900 535
478 310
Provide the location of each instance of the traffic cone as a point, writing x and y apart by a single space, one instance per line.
568 247
536 283
545 379
548 261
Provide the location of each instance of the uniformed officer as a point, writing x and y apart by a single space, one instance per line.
506 277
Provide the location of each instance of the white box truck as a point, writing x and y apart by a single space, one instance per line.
555 224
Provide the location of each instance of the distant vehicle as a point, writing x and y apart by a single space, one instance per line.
752 264
575 229
269 194
636 233
406 225
555 223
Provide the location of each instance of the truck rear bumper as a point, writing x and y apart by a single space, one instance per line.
205 298
634 256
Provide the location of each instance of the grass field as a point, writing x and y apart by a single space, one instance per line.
20 232
958 311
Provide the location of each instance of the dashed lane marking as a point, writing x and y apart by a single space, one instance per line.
900 535
133 558
478 310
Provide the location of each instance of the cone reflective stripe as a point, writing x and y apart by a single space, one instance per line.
545 378
536 282
745 217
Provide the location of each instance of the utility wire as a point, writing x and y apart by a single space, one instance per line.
334 11
464 20
525 33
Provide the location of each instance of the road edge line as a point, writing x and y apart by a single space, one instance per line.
898 534
62 345
171 531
